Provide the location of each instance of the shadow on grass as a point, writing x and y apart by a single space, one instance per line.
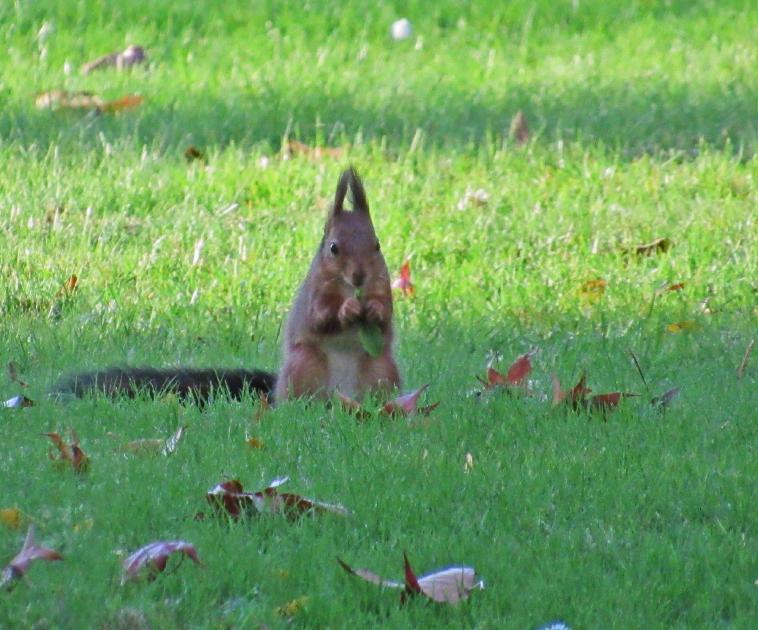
631 120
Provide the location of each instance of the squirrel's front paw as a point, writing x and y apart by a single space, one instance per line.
349 312
375 312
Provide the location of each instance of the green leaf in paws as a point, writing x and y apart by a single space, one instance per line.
371 338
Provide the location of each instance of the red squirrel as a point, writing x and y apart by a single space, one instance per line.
347 287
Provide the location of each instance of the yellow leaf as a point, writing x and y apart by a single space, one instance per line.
680 326
290 609
11 517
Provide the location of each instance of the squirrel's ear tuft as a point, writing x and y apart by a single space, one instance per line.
350 179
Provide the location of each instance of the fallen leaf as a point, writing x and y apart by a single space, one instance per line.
577 397
84 101
680 326
293 148
516 376
664 399
68 287
18 402
192 153
61 99
405 404
403 282
129 101
254 443
673 287
370 576
131 56
743 364
31 551
519 129
154 558
290 609
230 498
13 374
594 289
658 246
69 453
448 585
11 517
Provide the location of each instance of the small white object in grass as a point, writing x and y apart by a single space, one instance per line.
555 625
401 29
478 197
196 257
67 69
45 31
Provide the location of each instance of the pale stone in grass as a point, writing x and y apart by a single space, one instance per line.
401 29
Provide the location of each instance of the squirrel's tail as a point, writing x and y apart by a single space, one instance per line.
192 385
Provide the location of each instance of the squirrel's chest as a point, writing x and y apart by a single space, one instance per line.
344 355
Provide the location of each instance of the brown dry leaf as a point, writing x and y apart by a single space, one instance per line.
11 517
192 153
658 246
61 99
130 101
407 403
519 129
154 558
672 288
229 497
131 56
254 443
680 326
31 551
13 374
68 287
69 453
594 289
293 148
743 364
578 397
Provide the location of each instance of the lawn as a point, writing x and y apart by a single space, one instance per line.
643 120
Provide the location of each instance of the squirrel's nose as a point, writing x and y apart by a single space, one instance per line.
358 278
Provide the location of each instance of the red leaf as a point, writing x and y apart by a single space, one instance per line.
155 556
515 377
577 397
411 583
604 402
403 282
29 552
405 404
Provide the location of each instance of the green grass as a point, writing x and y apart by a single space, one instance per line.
644 125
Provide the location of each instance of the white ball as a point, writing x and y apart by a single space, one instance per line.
401 29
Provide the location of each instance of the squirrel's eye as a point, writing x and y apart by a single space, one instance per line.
334 249
378 246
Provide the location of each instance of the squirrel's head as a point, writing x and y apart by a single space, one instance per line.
350 249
